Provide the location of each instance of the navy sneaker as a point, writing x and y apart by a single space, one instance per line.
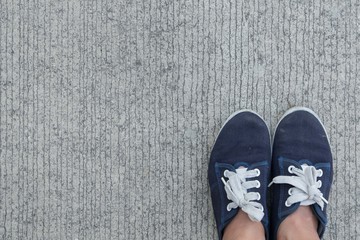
239 169
301 167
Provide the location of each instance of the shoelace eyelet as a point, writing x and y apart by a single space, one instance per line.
287 204
320 183
290 191
257 172
290 169
321 172
258 184
259 196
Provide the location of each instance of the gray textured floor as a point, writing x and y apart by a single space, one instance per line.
109 108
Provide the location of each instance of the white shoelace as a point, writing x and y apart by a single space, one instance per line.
236 190
305 186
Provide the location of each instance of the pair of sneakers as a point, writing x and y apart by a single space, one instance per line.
297 165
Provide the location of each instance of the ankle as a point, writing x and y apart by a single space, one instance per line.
302 224
297 230
241 227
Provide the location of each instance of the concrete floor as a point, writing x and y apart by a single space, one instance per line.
109 108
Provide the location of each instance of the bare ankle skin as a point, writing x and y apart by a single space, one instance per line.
300 225
241 227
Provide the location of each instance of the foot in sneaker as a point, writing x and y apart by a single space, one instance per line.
302 174
238 174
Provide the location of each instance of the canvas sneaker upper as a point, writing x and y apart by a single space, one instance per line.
239 169
301 167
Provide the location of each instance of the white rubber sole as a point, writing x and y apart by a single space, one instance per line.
296 109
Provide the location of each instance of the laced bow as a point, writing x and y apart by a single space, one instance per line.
236 190
305 186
